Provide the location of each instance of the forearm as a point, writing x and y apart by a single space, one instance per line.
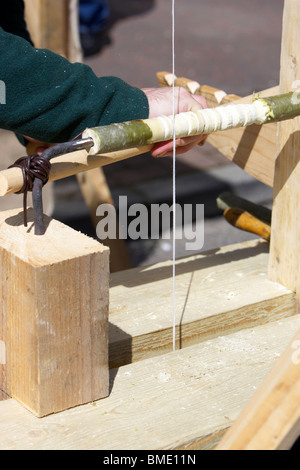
52 100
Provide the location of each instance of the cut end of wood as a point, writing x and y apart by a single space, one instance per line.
89 133
169 78
3 186
13 175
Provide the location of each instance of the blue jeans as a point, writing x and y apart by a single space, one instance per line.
92 15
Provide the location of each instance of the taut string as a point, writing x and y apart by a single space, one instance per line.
174 179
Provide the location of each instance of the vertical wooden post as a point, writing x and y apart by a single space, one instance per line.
53 315
271 419
285 237
48 23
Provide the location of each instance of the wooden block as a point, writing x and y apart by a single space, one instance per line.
54 315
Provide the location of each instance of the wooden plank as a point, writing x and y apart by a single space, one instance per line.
217 292
53 315
284 261
182 400
271 419
252 148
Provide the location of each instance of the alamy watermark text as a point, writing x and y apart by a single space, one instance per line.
141 222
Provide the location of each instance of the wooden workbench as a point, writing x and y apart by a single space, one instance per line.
233 324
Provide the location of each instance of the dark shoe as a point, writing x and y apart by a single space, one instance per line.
92 43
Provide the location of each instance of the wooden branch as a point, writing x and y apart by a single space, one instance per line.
140 132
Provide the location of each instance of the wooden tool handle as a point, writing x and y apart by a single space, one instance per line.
227 199
245 221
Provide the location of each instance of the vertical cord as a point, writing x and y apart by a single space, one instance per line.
174 178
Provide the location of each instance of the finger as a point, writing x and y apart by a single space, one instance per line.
164 149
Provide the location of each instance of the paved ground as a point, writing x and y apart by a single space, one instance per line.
233 45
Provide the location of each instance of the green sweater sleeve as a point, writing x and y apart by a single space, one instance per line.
52 100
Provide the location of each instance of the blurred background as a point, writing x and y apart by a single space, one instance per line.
233 45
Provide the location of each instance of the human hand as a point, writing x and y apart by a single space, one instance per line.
161 104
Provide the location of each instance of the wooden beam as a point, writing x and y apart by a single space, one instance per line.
252 148
285 247
53 315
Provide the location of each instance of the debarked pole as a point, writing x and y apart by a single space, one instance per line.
117 142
